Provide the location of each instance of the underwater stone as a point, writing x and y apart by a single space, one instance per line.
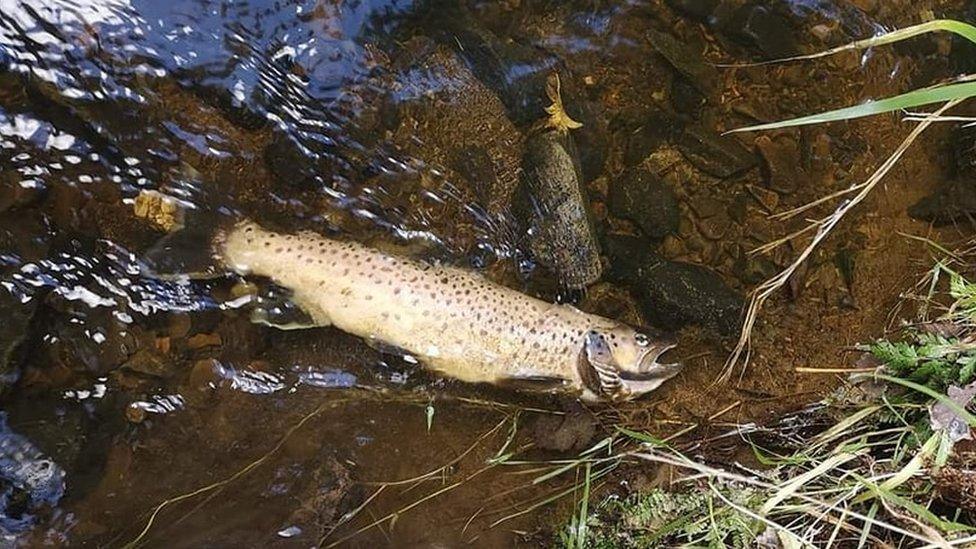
686 98
28 474
13 331
717 155
686 59
954 201
563 237
963 143
642 197
782 166
755 25
699 9
672 293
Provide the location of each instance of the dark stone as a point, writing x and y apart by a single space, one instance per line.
782 167
698 9
954 201
563 237
593 139
645 133
686 98
642 197
29 480
572 431
721 156
686 59
14 195
13 331
963 143
962 57
672 294
757 26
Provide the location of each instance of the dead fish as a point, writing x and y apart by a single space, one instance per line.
451 320
562 235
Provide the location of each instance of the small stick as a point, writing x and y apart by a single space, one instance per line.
802 370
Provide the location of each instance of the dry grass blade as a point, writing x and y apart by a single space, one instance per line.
765 290
946 25
220 484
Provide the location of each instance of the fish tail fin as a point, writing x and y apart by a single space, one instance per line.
191 247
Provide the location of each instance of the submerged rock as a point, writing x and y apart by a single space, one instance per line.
954 201
572 431
686 59
963 142
519 75
721 156
29 480
562 235
13 331
698 9
671 293
756 25
782 167
642 197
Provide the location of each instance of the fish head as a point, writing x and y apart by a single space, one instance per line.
620 363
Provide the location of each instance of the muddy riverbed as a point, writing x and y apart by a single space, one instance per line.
150 409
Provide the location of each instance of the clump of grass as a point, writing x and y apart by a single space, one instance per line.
948 95
666 519
940 353
881 472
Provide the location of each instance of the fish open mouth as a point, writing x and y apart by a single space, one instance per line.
651 373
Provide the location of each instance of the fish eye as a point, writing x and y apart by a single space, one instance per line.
642 340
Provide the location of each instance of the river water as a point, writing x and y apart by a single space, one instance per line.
150 409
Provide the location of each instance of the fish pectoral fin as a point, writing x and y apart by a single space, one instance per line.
386 348
537 383
279 310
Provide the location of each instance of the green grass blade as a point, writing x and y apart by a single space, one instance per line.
926 96
957 409
965 30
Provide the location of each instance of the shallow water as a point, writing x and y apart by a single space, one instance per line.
401 124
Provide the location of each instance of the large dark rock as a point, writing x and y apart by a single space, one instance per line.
642 197
563 237
963 144
757 26
673 294
954 201
13 331
701 10
29 480
645 132
686 59
721 156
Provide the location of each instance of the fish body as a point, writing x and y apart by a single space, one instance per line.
453 321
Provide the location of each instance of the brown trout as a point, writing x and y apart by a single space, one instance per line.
452 321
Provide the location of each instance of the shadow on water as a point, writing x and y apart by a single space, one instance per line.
403 125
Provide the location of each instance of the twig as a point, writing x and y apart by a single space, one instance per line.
802 370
